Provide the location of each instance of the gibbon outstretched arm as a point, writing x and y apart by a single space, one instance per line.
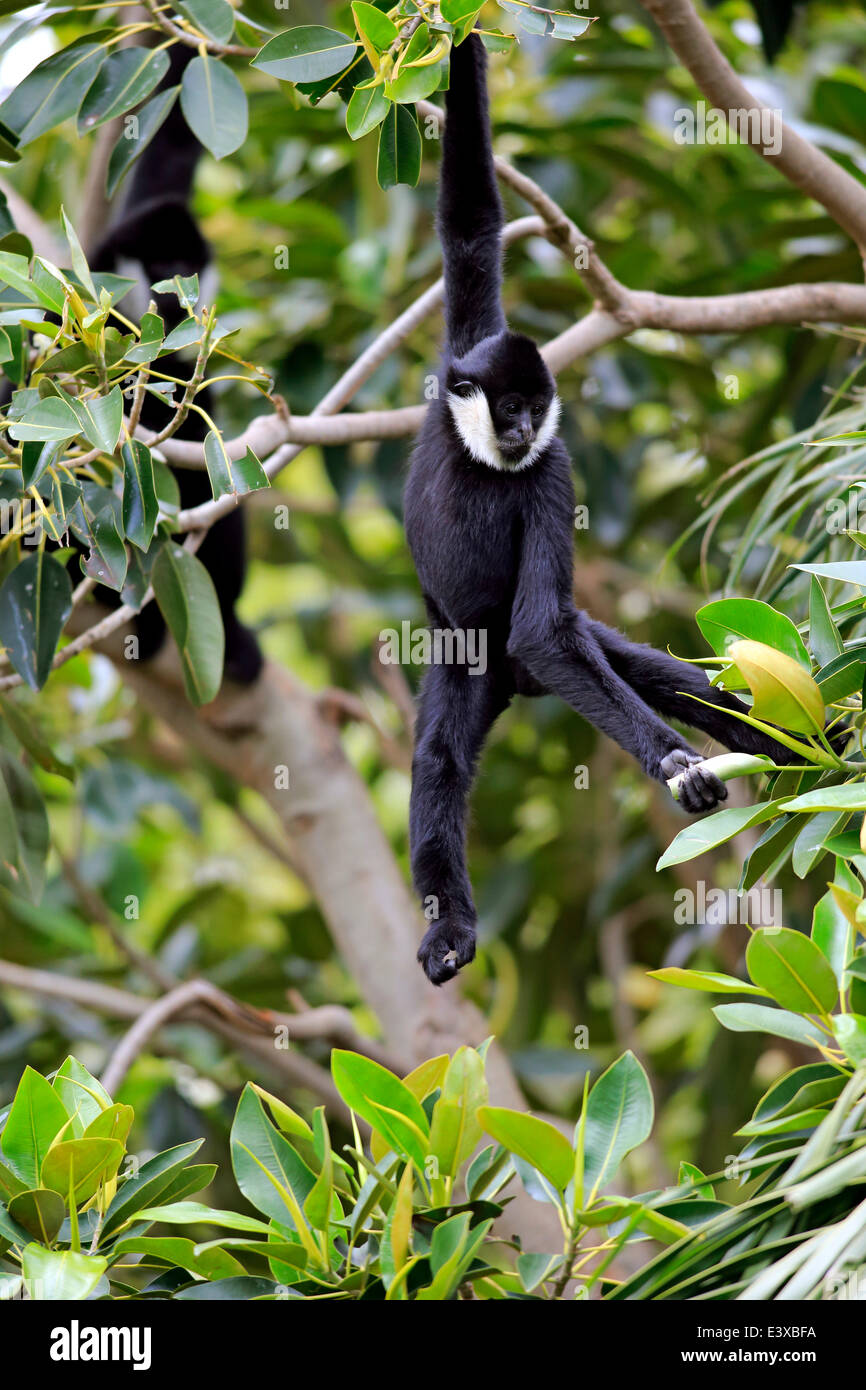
668 685
471 216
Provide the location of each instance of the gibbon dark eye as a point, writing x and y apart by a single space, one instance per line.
464 388
537 410
511 408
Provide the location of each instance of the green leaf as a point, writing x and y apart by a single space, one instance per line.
382 1099
367 109
317 1206
140 505
83 1096
619 1116
850 1032
810 845
790 967
215 105
214 18
187 600
824 636
196 1213
306 54
40 1212
832 933
235 476
23 829
137 135
849 797
847 571
60 1275
126 78
53 91
176 1250
373 25
715 830
728 620
268 1171
154 1178
80 1166
707 980
77 256
100 418
35 1119
31 739
761 1018
50 419
843 675
399 158
454 1127
35 602
533 1140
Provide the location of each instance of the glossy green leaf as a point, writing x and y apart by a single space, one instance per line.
534 1140
36 1117
399 158
715 830
35 602
709 981
153 1180
791 968
761 1018
187 600
60 1275
40 1211
136 135
306 54
215 105
214 18
126 77
80 1166
140 505
232 476
53 91
729 620
381 1098
619 1116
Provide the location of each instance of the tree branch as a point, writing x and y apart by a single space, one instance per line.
808 168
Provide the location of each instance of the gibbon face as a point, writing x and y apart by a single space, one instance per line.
503 402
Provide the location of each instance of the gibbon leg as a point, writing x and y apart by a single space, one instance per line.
456 712
668 685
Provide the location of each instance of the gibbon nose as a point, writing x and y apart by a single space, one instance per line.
526 433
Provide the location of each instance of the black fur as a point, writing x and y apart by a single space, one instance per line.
493 548
157 232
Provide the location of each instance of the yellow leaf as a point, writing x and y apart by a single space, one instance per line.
783 692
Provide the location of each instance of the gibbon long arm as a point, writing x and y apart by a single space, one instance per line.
471 215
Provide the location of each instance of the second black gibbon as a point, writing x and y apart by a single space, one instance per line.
155 238
489 513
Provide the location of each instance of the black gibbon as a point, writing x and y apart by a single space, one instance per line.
489 512
156 238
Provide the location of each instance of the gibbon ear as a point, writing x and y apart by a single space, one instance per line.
463 388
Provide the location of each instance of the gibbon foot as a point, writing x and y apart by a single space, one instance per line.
447 945
700 790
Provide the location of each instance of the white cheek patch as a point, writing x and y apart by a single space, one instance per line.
546 432
474 423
